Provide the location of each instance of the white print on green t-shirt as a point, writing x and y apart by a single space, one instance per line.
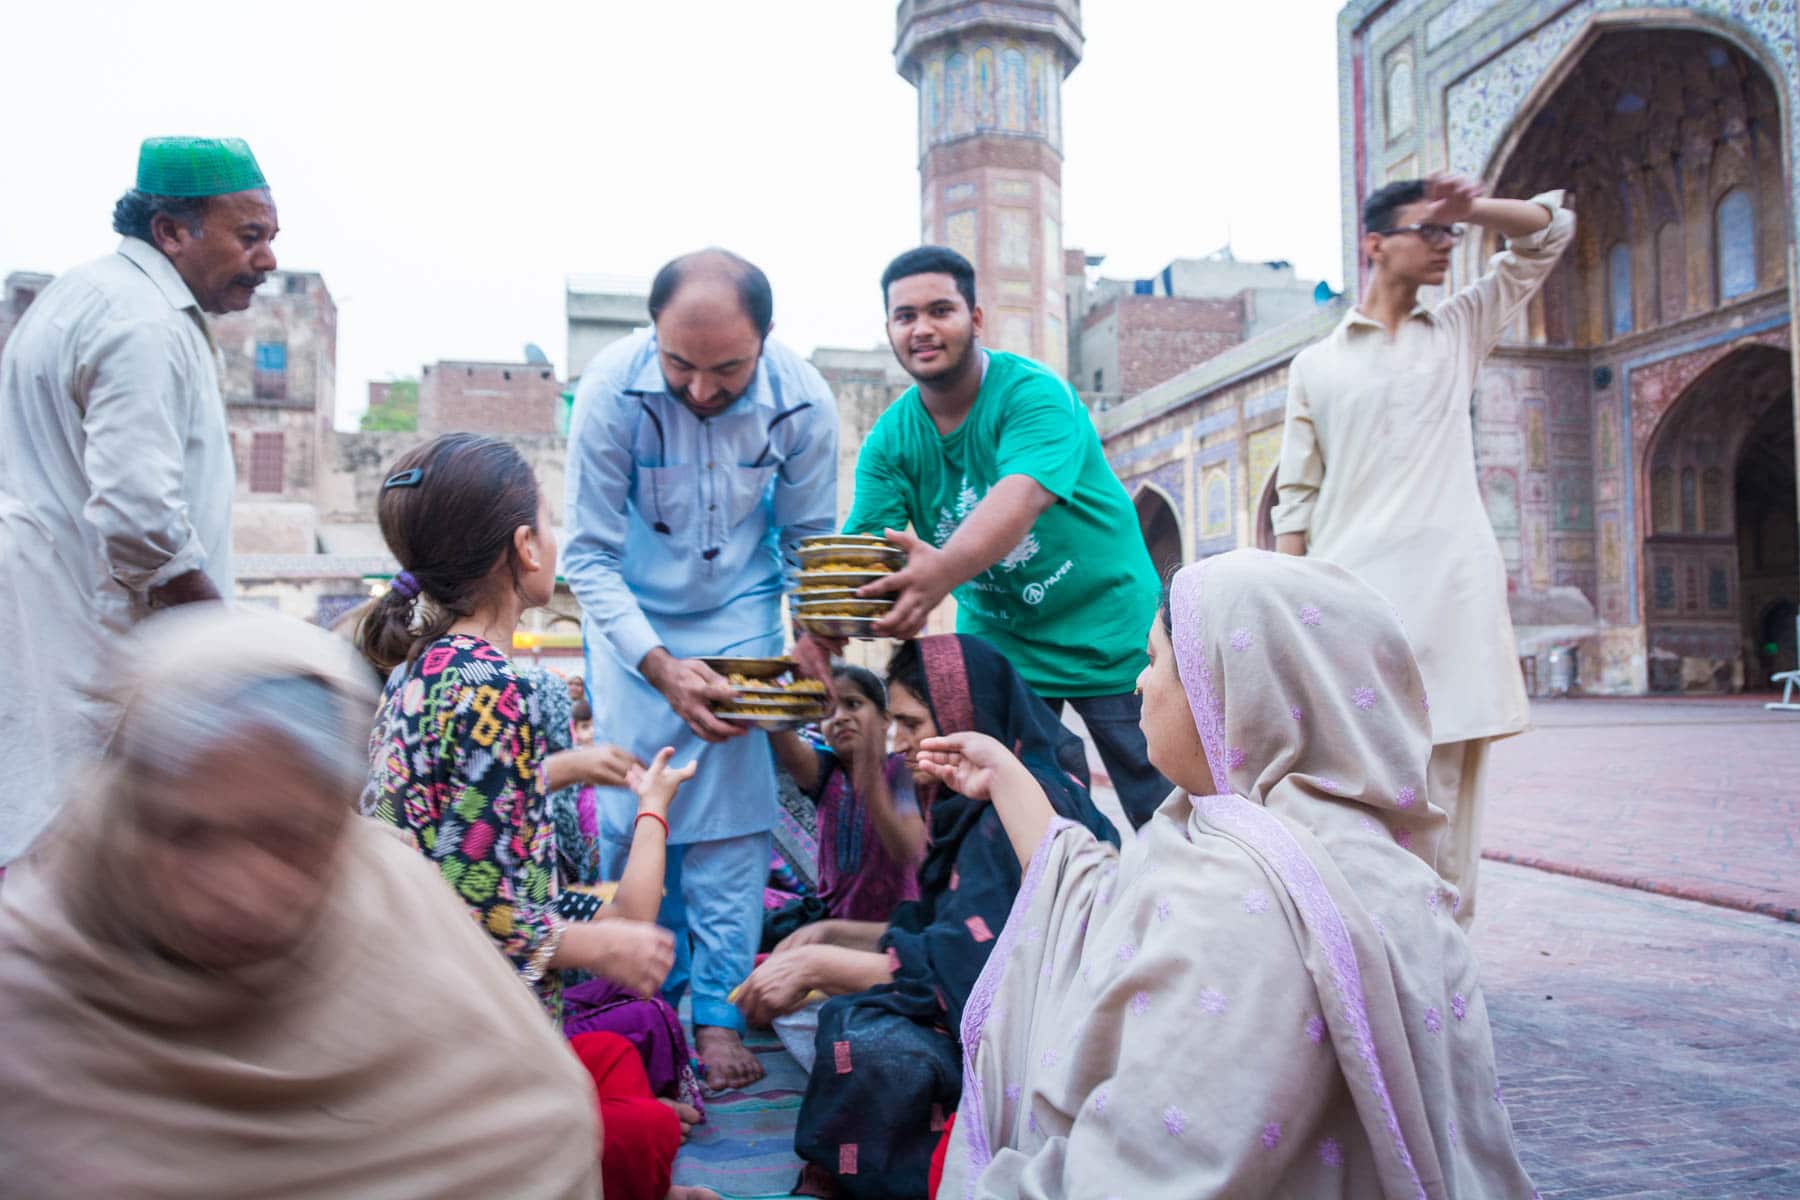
966 500
1034 591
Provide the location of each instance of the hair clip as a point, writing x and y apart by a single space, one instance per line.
410 477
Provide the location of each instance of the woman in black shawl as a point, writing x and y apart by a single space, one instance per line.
888 1068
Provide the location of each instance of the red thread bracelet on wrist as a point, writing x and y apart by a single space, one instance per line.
654 817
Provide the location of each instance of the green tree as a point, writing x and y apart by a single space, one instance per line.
399 413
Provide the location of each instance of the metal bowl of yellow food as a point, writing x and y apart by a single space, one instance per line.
773 722
838 627
751 668
844 539
810 688
786 702
844 608
837 555
824 594
836 579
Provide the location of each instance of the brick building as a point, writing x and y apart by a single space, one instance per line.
1128 335
280 386
484 397
1635 431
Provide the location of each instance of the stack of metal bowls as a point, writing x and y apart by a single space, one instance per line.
769 693
832 567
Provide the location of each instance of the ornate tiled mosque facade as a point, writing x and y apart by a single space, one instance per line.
1635 433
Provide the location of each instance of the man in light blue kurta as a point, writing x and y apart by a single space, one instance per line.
700 452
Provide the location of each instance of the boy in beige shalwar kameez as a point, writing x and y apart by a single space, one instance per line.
1377 468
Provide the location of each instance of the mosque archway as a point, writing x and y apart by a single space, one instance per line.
1161 529
1670 140
1619 400
1720 554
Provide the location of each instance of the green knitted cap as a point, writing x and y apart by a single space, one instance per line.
191 166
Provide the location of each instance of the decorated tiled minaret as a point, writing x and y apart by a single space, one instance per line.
989 74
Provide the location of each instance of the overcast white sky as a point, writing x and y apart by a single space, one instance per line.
446 165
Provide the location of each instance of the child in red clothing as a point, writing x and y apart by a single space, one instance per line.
639 1134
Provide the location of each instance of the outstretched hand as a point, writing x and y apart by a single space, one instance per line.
917 588
967 763
656 784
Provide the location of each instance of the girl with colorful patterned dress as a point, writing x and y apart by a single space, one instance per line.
461 764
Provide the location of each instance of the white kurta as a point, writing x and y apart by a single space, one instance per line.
115 477
1378 471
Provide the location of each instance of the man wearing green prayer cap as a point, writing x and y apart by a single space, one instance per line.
116 474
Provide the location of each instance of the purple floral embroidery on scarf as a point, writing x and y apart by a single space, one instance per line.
1380 929
1497 1099
1049 968
1162 910
1034 935
1456 902
1405 797
1101 1095
1211 1001
1452 1127
1174 1120
981 998
1404 838
1241 639
1271 1135
1031 1121
1369 825
1364 697
1048 1061
1013 1092
1315 1030
1261 831
1256 901
1425 701
1434 1020
1459 1006
1127 951
1431 899
1140 1003
1234 758
1330 1153
1309 614
1331 785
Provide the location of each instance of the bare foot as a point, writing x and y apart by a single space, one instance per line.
683 1192
687 1114
728 1063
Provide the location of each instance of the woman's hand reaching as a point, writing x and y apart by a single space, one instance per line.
982 769
966 762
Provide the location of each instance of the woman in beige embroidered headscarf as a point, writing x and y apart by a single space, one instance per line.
1267 994
216 980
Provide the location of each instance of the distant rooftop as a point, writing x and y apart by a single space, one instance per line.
607 285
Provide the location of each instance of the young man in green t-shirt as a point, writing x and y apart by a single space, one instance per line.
994 462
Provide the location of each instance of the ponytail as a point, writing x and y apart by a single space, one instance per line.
448 510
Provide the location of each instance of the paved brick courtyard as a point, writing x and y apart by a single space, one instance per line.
1697 798
1647 1045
